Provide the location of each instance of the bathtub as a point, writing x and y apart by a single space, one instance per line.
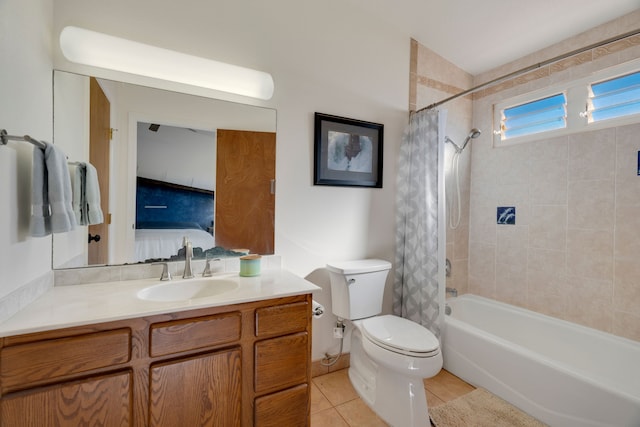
561 373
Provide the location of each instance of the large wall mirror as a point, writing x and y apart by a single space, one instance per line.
167 166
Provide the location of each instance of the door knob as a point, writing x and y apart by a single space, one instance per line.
95 238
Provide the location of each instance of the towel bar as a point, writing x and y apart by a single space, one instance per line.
5 138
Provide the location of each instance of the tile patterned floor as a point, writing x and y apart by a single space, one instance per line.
334 402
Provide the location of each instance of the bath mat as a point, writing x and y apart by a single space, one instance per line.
480 409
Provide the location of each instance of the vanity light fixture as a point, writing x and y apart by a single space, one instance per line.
114 53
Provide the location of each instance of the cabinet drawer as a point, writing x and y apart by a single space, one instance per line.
281 362
289 407
32 362
190 334
282 319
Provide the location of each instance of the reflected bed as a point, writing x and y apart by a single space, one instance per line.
161 240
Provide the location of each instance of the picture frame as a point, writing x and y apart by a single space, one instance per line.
348 152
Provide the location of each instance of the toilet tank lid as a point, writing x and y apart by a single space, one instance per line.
359 266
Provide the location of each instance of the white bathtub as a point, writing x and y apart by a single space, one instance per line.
561 373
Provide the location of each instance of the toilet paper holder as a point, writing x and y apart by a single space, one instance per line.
317 309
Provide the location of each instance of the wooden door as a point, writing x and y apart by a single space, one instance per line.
244 197
99 139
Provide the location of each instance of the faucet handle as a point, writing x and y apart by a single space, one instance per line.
165 271
207 267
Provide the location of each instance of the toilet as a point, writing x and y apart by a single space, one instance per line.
390 355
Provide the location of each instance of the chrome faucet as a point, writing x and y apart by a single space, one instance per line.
188 254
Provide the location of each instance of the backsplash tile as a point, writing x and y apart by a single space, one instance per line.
15 301
81 276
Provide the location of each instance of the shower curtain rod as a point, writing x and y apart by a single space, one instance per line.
531 68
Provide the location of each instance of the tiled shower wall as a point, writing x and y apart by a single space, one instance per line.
573 251
432 79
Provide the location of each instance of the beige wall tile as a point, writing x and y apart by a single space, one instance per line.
592 155
546 271
626 291
547 303
548 227
627 181
591 204
511 264
589 302
482 261
626 325
459 276
590 253
549 171
627 234
482 226
460 242
482 274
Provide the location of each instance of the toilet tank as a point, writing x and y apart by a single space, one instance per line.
357 287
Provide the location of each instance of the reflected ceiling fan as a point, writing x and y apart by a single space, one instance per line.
155 126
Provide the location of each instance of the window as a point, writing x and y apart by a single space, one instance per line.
533 117
606 98
614 98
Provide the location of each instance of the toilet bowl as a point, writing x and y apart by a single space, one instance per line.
390 355
389 376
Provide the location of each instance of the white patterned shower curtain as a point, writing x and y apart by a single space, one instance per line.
419 279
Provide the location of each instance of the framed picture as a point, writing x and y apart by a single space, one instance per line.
347 152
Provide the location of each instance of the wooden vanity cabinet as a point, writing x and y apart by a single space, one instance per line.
238 365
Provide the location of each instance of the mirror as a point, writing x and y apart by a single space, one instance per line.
168 149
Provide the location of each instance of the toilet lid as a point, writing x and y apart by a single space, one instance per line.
401 335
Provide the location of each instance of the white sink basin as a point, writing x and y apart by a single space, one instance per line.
181 290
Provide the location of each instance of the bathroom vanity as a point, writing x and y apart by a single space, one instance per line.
232 360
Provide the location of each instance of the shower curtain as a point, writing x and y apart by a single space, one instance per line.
420 221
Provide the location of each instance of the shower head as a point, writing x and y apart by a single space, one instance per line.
472 135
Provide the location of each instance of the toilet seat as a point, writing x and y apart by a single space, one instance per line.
400 335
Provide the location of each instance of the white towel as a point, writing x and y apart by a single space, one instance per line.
51 193
78 203
40 224
92 196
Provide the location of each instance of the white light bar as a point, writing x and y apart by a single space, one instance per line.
114 53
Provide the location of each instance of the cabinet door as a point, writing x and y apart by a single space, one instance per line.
199 391
97 401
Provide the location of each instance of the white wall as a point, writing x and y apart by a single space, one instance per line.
26 108
325 57
177 155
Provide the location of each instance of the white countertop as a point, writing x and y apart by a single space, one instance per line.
67 306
